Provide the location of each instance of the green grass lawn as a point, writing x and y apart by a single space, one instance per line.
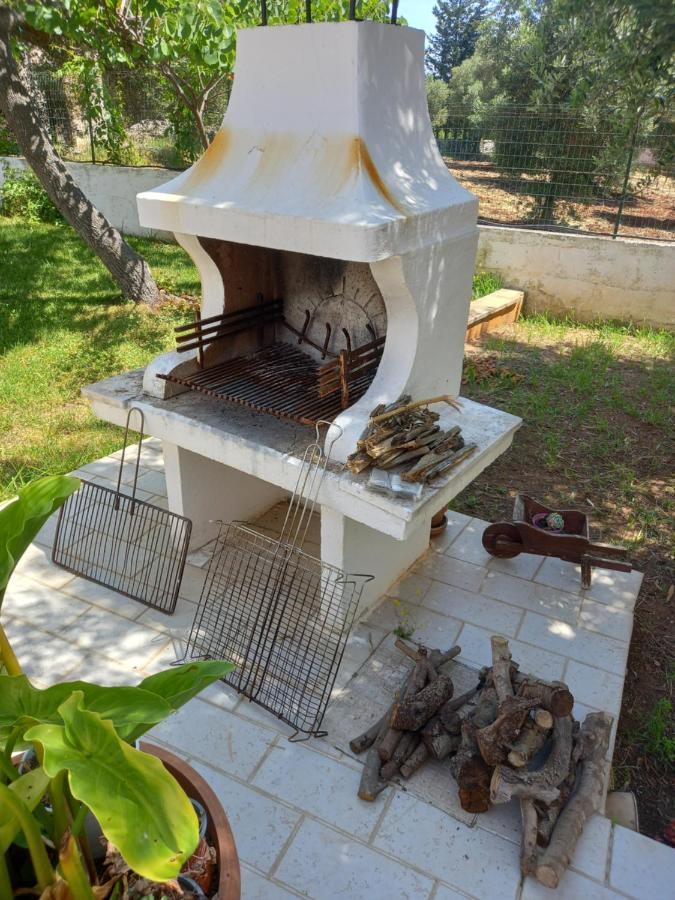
63 324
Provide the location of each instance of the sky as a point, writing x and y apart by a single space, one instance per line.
419 14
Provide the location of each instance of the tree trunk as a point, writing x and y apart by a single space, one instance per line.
129 270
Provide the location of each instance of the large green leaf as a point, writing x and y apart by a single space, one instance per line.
132 710
30 788
140 807
23 517
181 683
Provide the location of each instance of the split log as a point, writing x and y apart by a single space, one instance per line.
555 697
507 782
411 713
494 740
474 785
438 741
532 738
528 846
371 784
584 802
416 759
501 663
406 746
449 463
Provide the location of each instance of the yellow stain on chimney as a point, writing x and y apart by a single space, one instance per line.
210 161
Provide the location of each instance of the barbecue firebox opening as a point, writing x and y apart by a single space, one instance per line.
300 336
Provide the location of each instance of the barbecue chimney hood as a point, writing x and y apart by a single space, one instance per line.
326 148
326 154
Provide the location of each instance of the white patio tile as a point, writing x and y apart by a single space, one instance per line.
456 523
100 670
260 826
549 601
121 639
45 606
215 737
256 887
592 849
201 557
451 571
192 583
108 468
474 608
503 819
428 627
616 588
411 589
47 533
154 482
103 597
321 786
151 456
179 622
468 545
221 694
471 859
524 565
559 574
574 642
362 641
323 864
641 867
43 657
572 887
36 563
443 892
476 649
594 687
506 587
606 619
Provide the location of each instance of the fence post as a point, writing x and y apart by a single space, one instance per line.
626 176
91 139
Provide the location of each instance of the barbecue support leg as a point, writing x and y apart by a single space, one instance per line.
358 549
207 491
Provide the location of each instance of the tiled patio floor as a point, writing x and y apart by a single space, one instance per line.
299 827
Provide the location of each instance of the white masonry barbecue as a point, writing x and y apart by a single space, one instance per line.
336 254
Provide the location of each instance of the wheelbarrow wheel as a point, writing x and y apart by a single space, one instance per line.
502 540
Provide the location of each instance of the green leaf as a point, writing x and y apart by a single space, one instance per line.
132 710
30 788
181 683
139 806
24 516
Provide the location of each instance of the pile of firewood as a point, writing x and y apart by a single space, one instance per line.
407 433
511 736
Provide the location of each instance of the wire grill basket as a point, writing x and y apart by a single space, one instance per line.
125 544
281 615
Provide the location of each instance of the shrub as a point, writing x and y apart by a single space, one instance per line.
23 198
8 146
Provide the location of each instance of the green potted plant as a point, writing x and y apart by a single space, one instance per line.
81 741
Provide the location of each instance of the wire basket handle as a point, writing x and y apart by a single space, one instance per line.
305 495
132 409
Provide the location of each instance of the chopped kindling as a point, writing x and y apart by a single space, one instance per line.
511 736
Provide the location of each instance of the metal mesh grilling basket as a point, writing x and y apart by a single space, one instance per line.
281 615
125 544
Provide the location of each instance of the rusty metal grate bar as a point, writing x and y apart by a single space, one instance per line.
279 380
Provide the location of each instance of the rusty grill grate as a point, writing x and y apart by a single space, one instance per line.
280 379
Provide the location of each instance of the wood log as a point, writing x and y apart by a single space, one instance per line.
586 800
547 814
448 713
529 742
371 784
406 406
449 463
469 769
436 658
554 771
389 743
501 662
416 759
359 462
411 713
399 458
495 739
367 738
437 740
555 697
422 673
543 719
474 785
528 845
406 746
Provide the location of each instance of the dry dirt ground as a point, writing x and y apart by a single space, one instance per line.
503 199
598 435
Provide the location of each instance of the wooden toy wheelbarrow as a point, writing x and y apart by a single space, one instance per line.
572 543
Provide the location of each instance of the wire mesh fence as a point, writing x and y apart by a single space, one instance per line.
548 168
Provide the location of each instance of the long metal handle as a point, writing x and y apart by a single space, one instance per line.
138 458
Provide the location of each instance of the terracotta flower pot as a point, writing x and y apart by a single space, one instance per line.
229 876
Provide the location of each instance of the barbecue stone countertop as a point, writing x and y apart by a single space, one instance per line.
272 449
